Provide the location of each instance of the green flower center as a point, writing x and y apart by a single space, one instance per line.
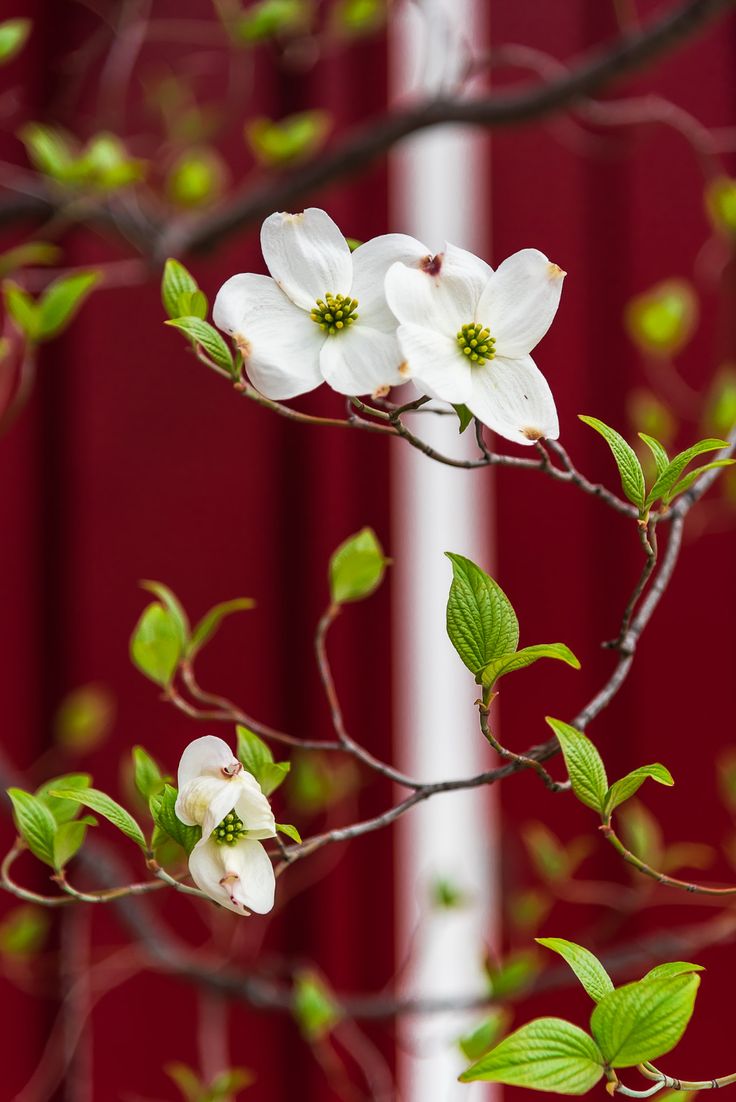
476 343
334 313
230 831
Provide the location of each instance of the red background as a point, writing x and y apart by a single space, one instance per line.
132 462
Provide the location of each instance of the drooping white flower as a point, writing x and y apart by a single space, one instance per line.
321 316
467 331
215 792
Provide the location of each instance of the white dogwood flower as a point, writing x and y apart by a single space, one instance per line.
467 331
215 792
321 316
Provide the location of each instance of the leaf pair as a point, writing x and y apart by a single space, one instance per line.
629 1025
670 481
588 773
483 628
257 758
187 309
43 318
163 638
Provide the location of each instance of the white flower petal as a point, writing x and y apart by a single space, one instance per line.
307 255
361 361
513 398
205 801
206 755
520 301
254 809
238 877
371 262
279 341
435 362
441 292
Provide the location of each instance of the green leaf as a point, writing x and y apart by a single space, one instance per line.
273 776
481 621
186 1080
673 968
671 474
49 150
624 788
29 254
629 467
195 178
61 300
208 339
661 458
686 482
662 319
585 965
289 140
464 417
227 1083
23 930
155 646
269 18
84 718
512 974
149 780
162 809
22 309
36 825
211 621
173 605
13 35
63 810
643 1020
68 840
107 807
584 764
357 567
476 1043
290 832
526 657
352 18
315 1008
547 1054
177 284
546 851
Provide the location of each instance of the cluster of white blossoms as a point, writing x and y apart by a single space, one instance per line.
391 312
216 793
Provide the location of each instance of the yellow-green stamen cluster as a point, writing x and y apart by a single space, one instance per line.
476 343
334 313
230 830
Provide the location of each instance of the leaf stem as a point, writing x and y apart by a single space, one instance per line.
661 877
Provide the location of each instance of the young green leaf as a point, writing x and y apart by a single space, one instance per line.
692 476
68 840
36 825
476 1043
23 930
584 964
211 621
174 606
670 476
208 339
624 788
661 459
177 283
257 758
627 461
547 1054
290 832
481 621
273 776
13 35
63 810
315 1008
49 150
464 416
22 309
155 646
164 816
584 764
107 807
62 300
149 780
526 657
357 567
673 968
644 1020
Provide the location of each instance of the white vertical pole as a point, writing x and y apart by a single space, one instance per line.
440 192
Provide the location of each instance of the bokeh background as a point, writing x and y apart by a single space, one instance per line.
131 461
